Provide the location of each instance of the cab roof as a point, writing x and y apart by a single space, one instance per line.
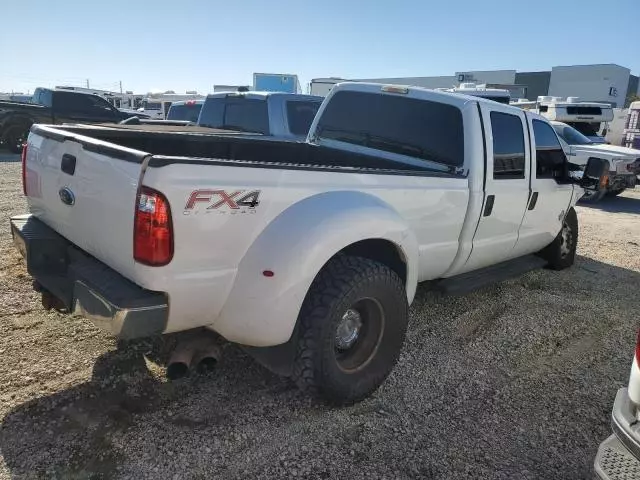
264 95
454 98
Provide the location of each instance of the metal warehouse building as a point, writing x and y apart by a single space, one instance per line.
608 83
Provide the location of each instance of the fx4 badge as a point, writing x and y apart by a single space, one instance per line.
223 201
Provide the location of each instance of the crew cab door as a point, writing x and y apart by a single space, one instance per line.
551 190
506 186
70 107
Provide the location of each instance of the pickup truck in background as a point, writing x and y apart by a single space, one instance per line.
306 253
189 110
52 107
277 114
623 162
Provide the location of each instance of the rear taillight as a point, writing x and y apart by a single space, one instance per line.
153 230
24 168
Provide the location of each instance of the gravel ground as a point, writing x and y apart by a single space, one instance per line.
514 381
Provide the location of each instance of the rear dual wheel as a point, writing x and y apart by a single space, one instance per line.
352 327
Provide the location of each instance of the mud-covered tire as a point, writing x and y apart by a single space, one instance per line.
561 253
377 295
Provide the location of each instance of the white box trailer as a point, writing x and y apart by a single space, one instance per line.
322 86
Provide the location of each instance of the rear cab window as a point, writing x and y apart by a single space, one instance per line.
417 128
236 112
300 115
189 111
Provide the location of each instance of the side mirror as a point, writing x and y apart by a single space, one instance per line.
595 175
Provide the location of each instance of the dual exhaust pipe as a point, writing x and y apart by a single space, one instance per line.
200 353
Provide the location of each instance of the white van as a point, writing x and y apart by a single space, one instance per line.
156 105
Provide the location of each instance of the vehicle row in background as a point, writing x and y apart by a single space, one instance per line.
52 107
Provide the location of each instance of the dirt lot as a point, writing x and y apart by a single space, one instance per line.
514 381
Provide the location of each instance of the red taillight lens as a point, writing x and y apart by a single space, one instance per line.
153 229
24 168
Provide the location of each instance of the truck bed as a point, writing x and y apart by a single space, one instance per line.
171 144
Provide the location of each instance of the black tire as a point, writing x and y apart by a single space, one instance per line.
561 253
15 136
343 374
614 193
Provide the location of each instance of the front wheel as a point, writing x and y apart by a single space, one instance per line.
561 253
352 326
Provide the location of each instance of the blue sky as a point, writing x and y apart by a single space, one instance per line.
191 44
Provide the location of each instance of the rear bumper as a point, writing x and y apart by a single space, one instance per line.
85 286
619 455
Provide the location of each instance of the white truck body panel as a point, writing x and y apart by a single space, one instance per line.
304 217
101 220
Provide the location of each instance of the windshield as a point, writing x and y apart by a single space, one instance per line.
586 128
235 113
186 111
500 99
571 135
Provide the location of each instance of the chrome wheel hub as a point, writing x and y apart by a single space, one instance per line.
348 329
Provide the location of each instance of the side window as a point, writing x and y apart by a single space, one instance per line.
550 159
508 146
77 103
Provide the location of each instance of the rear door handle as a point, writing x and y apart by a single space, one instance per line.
533 201
488 207
68 164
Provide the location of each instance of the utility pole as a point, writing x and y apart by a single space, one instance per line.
88 83
120 87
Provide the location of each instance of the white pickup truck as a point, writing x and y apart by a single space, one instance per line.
307 253
623 161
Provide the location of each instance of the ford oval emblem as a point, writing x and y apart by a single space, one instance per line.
67 196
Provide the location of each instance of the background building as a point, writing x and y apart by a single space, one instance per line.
607 83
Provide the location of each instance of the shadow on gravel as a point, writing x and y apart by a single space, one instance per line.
532 403
71 433
615 205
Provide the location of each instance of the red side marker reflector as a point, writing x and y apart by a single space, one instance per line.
268 273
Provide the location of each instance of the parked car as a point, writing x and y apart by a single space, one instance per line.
306 253
52 106
623 161
282 115
619 455
188 110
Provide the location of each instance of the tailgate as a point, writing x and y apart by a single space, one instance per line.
85 189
